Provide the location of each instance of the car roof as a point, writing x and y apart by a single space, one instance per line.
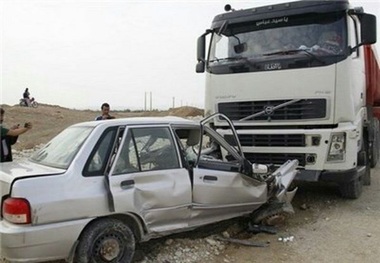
169 120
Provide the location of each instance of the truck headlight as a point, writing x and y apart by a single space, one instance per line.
337 147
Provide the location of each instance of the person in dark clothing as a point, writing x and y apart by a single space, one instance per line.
26 96
6 150
9 137
105 113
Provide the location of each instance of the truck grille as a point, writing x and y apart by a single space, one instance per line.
275 158
281 140
299 110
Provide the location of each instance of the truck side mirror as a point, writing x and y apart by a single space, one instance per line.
200 68
201 53
368 29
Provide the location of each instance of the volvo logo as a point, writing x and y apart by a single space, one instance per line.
268 110
272 66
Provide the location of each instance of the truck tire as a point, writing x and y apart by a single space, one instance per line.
375 145
353 189
364 160
367 175
105 240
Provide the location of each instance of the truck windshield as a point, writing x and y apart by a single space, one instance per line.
314 37
61 150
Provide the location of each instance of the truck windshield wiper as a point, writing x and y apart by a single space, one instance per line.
294 51
228 59
233 59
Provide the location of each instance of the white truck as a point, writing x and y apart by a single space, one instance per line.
300 80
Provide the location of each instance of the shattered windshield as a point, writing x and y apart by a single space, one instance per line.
61 150
312 37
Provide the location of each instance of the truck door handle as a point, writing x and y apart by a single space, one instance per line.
127 184
210 178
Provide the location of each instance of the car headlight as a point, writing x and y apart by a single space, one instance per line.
337 147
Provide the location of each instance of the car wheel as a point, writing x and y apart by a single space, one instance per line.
353 189
106 240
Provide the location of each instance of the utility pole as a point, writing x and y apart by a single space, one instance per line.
151 101
173 102
145 101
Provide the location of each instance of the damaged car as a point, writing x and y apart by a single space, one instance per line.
98 188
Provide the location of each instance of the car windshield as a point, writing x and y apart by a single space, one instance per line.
61 150
322 36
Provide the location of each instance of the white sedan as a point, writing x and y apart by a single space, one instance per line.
99 187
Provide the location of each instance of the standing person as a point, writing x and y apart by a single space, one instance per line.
26 96
9 137
105 113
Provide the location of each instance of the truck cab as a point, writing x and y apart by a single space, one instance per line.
298 80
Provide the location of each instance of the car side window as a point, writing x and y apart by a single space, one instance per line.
97 162
127 162
146 149
155 148
214 155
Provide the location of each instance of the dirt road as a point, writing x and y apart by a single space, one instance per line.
331 229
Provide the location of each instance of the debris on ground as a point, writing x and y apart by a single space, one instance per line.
255 229
244 242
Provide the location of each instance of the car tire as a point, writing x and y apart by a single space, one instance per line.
105 240
353 189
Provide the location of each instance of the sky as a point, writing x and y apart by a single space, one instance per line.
131 54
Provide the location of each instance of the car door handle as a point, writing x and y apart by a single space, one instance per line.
127 184
210 178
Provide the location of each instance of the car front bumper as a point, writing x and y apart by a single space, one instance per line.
27 243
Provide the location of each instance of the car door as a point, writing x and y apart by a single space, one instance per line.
221 190
147 178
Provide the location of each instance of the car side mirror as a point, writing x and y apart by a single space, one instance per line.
259 168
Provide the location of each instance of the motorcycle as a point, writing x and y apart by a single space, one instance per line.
33 103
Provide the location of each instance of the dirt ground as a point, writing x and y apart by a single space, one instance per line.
49 120
330 229
325 227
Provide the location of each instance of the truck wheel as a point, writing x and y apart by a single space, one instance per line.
366 162
374 148
367 175
353 189
106 240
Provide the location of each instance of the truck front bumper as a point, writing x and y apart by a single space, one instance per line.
339 176
27 243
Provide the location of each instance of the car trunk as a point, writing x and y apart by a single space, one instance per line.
12 171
